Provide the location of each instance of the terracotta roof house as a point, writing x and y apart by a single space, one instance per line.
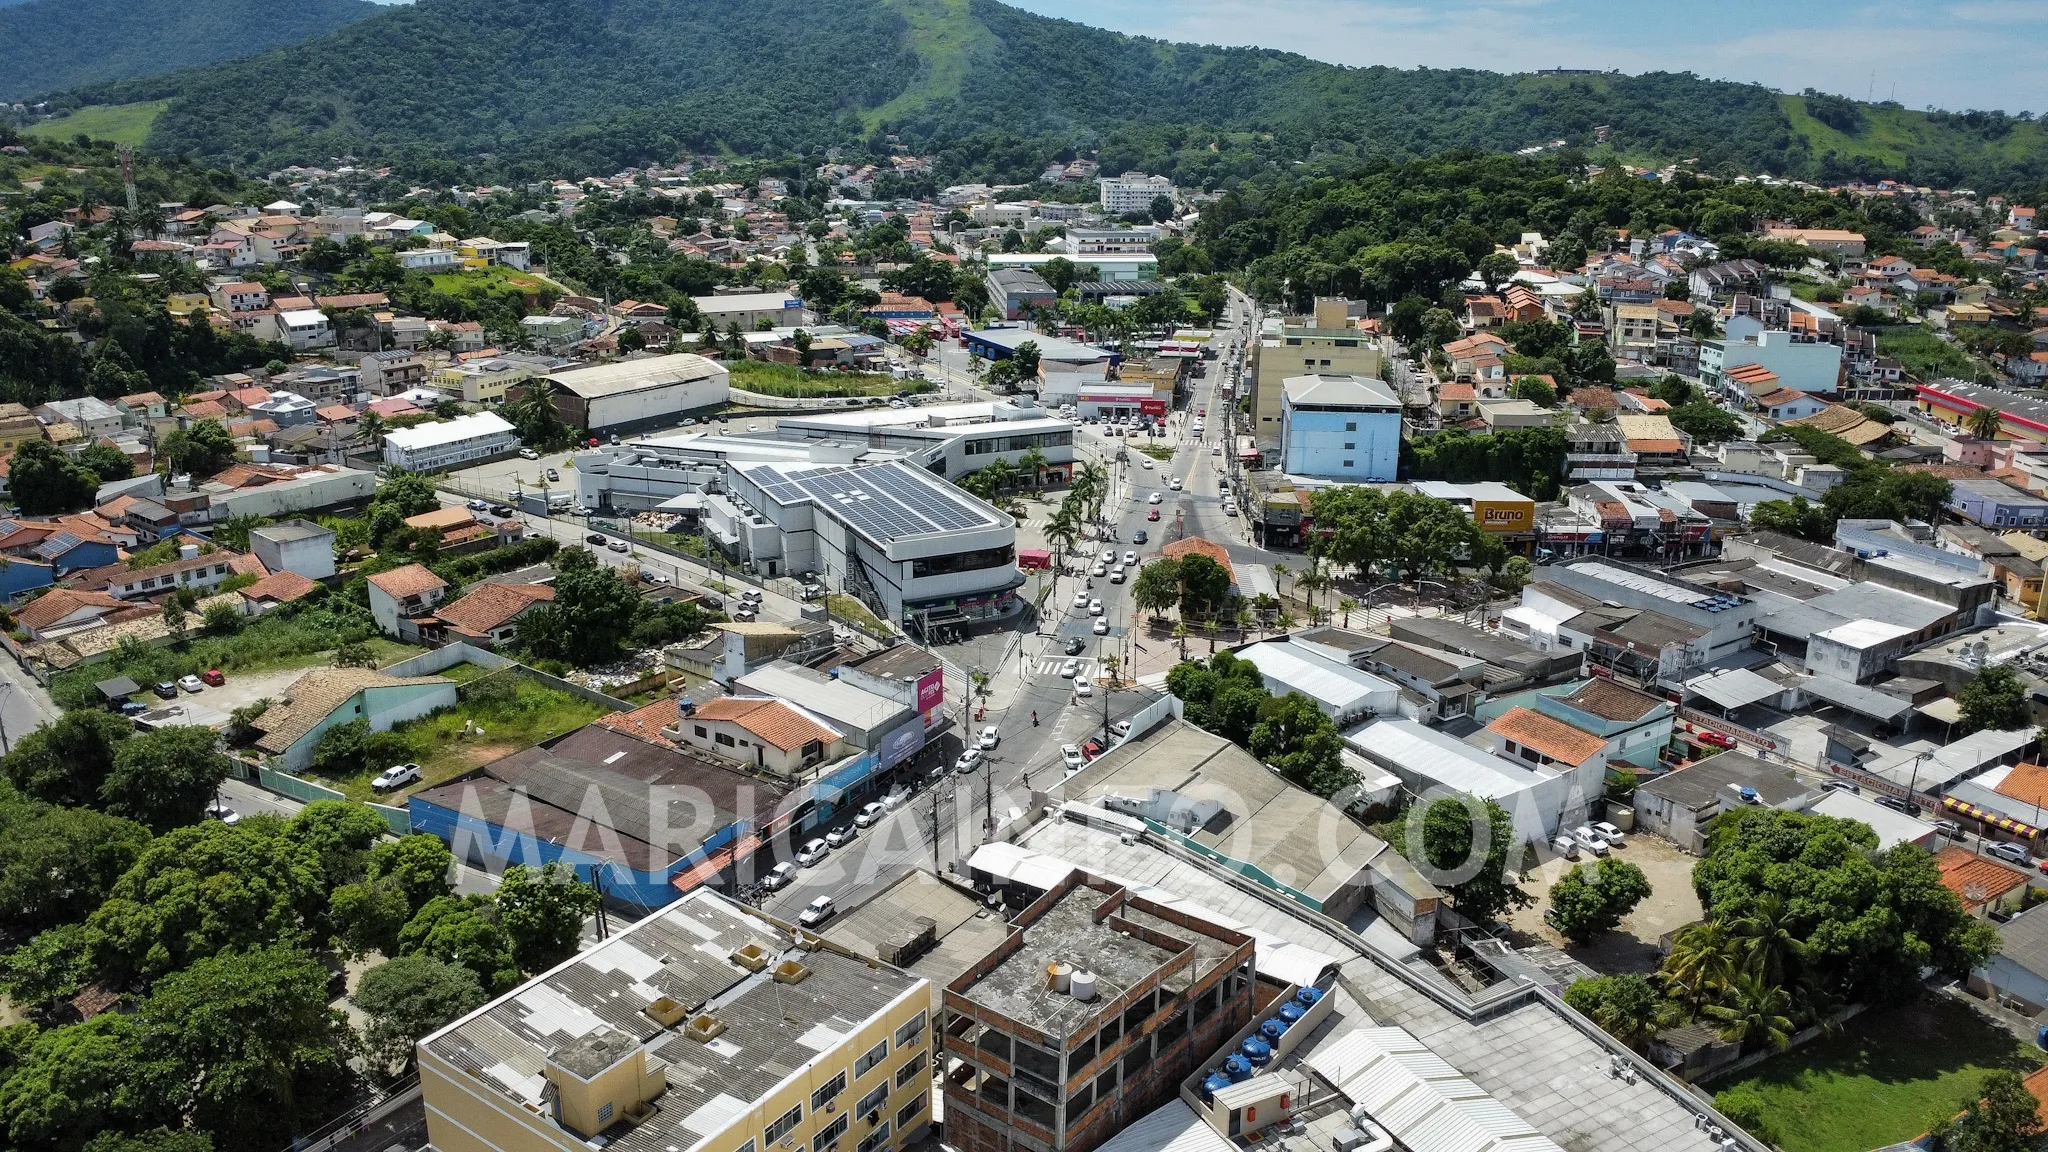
1540 739
404 597
325 697
64 610
764 732
275 589
489 615
1980 882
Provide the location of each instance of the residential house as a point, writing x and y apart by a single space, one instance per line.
1679 805
275 591
290 731
1982 884
17 426
487 615
1548 742
92 417
298 546
63 611
199 573
389 373
767 734
402 597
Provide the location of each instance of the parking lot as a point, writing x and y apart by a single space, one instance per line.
1633 947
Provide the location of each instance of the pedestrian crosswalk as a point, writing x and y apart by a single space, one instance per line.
1051 665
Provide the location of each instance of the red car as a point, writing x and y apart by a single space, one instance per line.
1092 749
1152 515
1714 739
1201 411
213 677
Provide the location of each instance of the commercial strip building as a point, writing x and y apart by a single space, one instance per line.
1327 344
914 548
950 440
707 1026
446 444
748 309
1800 362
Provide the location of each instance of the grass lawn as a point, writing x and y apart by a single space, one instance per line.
788 380
457 283
463 673
1156 451
516 716
121 123
849 608
1883 1078
1926 355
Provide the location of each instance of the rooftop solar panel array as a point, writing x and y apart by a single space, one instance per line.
882 501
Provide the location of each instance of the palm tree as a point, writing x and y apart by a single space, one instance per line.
1984 423
1755 1013
1765 942
1347 605
1001 474
369 428
1703 961
1093 479
1061 532
1034 462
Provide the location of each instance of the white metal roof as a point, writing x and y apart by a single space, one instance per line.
839 702
1861 634
1733 687
1326 681
635 375
1173 1127
448 431
1419 1098
1891 827
1427 753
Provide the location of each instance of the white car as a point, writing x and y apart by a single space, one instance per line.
1609 833
1116 575
1566 847
528 454
841 837
1217 450
394 776
1130 558
191 683
990 737
1100 628
1099 570
869 813
1174 484
968 761
1120 729
1080 600
580 510
1095 607
1230 509
819 910
1589 840
779 876
1070 755
812 852
479 506
1147 464
653 577
1083 688
1070 669
230 817
1155 498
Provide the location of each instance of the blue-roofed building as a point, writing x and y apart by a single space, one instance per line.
68 552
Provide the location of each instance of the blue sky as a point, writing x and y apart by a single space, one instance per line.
1981 54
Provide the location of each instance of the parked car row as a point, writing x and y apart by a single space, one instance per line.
1597 838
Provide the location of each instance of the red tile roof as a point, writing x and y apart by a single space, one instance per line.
1554 738
771 720
492 606
283 587
646 722
1975 879
411 580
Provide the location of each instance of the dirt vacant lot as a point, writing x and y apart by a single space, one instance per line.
1633 947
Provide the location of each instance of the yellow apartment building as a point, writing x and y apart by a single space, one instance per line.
706 1027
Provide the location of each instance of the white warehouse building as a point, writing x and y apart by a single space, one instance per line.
1430 765
444 444
639 393
914 548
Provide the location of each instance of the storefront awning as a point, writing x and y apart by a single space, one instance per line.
2004 823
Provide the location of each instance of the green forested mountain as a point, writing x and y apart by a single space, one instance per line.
47 45
547 86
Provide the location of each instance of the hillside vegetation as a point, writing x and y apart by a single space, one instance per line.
533 87
47 45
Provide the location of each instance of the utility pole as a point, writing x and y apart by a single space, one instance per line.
935 829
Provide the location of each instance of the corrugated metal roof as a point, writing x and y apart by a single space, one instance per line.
1419 1098
1172 1128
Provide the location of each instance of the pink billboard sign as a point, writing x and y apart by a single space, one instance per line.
931 689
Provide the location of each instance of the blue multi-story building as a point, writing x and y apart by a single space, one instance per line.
1340 428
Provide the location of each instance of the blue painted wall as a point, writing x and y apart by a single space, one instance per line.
1313 444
